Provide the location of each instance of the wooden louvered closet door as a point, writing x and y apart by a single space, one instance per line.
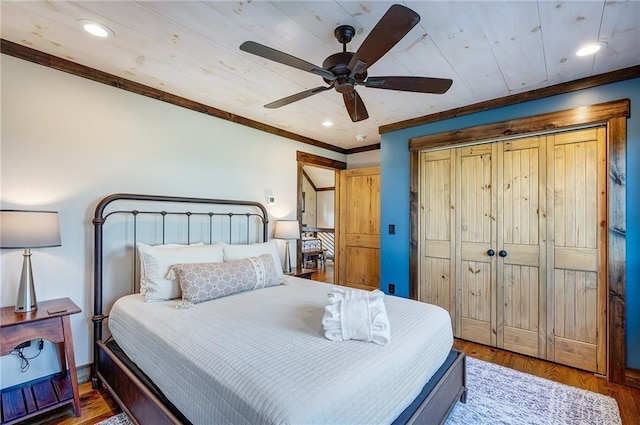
512 244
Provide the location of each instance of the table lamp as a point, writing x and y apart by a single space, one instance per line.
287 229
25 230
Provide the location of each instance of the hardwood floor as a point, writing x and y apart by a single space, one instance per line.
98 405
324 274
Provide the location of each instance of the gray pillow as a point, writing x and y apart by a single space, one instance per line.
207 281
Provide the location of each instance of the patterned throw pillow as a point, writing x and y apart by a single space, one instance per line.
207 281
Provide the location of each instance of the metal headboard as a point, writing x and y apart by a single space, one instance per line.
180 206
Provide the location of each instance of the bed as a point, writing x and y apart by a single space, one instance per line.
255 356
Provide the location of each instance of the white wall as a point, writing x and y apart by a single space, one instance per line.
67 142
309 215
326 209
364 159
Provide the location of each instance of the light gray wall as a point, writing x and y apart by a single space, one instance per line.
364 159
67 142
326 209
309 215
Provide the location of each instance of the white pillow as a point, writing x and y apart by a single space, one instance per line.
156 262
238 252
143 275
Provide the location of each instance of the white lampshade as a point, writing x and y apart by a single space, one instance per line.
26 230
29 229
287 229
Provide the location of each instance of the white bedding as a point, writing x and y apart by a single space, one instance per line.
260 357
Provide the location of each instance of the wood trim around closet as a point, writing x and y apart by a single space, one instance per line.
545 123
513 99
612 114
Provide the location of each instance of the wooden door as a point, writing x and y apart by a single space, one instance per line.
438 230
475 221
457 228
521 247
577 260
359 238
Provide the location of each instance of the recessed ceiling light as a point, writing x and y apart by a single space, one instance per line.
589 49
96 29
327 123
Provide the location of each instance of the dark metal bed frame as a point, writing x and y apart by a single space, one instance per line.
143 401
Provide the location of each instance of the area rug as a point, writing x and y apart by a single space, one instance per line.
501 396
498 395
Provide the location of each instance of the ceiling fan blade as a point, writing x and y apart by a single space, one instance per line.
391 28
414 84
284 58
295 97
355 106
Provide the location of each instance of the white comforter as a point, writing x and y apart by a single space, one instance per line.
260 357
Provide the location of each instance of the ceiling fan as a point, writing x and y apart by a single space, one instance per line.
345 70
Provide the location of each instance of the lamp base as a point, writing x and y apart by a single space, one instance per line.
287 259
26 300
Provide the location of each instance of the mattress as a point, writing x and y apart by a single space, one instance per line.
260 357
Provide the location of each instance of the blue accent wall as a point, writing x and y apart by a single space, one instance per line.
394 158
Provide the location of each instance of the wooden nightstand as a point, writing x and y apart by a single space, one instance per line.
43 394
303 273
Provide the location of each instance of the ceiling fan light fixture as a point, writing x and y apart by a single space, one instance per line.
96 29
590 49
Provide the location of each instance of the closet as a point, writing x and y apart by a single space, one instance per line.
512 242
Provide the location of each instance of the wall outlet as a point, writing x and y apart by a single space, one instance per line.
392 229
392 289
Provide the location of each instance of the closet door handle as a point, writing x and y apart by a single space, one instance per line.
502 253
491 253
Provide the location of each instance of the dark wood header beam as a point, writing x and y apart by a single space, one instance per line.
363 149
45 59
306 176
320 161
570 86
567 118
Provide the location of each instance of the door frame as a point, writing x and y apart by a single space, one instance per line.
303 159
613 115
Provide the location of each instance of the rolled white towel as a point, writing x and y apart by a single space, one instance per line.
356 314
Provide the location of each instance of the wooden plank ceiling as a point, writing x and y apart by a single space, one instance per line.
490 49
